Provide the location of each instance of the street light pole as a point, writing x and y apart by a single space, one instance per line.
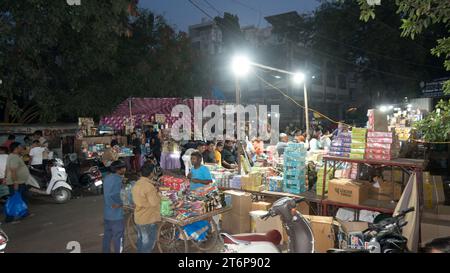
238 91
305 94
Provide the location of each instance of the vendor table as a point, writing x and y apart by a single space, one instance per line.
171 237
308 195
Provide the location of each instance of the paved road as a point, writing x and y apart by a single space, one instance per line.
53 226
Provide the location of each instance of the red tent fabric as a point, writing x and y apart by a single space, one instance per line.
146 108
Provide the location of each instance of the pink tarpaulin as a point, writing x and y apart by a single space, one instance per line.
146 108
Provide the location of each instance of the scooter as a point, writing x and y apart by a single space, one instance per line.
3 241
300 235
52 183
89 178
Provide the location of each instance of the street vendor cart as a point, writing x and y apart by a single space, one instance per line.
171 237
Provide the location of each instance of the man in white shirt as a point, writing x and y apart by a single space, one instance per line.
314 143
36 154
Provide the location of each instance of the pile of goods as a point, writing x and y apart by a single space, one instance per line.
320 178
358 146
174 183
382 146
341 145
294 168
275 183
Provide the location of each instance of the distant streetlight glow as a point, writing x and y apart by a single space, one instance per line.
383 108
298 78
240 66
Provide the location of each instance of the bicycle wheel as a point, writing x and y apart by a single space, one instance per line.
212 237
169 241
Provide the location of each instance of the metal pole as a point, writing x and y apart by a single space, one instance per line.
238 101
305 94
238 91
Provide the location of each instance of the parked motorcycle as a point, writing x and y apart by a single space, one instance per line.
383 237
50 181
87 177
3 241
300 235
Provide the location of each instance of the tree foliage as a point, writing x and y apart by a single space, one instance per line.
82 60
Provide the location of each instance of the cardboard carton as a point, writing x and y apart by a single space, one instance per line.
386 192
324 230
241 202
348 191
263 226
235 224
261 205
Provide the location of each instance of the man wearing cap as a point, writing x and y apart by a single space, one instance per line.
282 144
113 210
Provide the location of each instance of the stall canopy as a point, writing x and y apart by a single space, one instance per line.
142 109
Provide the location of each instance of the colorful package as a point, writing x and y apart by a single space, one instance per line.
380 140
379 135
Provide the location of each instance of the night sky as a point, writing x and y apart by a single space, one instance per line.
181 13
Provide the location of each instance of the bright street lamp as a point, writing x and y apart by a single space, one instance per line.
298 78
240 66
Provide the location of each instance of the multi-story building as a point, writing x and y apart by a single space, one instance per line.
330 90
206 37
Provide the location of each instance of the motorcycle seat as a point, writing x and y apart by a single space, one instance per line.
273 236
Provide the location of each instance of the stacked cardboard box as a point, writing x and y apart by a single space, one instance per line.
324 230
385 190
348 191
341 145
238 219
294 168
382 146
358 146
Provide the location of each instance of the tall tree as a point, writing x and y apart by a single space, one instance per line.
82 60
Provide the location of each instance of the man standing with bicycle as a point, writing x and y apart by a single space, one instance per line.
147 211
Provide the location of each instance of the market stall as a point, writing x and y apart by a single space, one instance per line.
188 217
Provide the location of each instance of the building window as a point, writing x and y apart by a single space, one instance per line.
351 92
331 75
342 81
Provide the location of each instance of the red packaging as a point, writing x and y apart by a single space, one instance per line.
386 146
380 140
380 134
378 157
378 151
